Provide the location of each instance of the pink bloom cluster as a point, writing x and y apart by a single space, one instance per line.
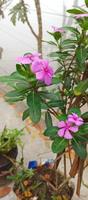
70 126
79 16
40 67
28 58
56 29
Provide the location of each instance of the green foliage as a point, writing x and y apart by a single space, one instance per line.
18 13
9 139
81 87
75 110
26 114
34 103
59 145
51 131
76 11
79 149
86 2
48 119
21 175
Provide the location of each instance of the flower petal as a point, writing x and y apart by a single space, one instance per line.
36 66
23 60
68 135
61 132
40 75
74 129
47 79
61 124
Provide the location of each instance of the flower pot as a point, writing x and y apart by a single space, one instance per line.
42 186
6 164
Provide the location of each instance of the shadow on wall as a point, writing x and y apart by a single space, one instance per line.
1 51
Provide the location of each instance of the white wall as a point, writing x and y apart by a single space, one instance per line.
16 40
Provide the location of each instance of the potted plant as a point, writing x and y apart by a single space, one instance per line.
61 94
8 150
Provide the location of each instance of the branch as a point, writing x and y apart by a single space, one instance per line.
28 22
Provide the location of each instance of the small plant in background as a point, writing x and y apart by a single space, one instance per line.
61 93
9 139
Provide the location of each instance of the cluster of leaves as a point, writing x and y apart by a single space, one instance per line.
18 12
69 86
20 177
9 139
79 140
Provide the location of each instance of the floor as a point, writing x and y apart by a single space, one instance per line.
36 146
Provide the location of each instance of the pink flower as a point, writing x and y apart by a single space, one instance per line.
42 70
66 129
56 29
78 16
75 119
28 58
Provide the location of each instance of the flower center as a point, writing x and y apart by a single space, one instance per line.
45 69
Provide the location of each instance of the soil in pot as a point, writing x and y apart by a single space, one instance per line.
42 186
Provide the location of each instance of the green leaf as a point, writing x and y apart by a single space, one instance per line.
48 95
56 35
72 30
85 115
81 87
59 104
75 110
34 103
51 131
68 41
26 114
48 119
21 70
56 80
86 2
81 138
81 56
83 129
59 145
62 117
75 11
15 93
79 149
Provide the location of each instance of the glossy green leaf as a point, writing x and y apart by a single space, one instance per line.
81 87
79 149
62 117
74 110
81 56
75 11
51 131
48 119
85 115
34 103
26 114
83 129
86 2
59 145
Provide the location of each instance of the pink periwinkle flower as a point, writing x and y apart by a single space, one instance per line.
56 29
43 71
28 58
79 16
66 129
75 119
